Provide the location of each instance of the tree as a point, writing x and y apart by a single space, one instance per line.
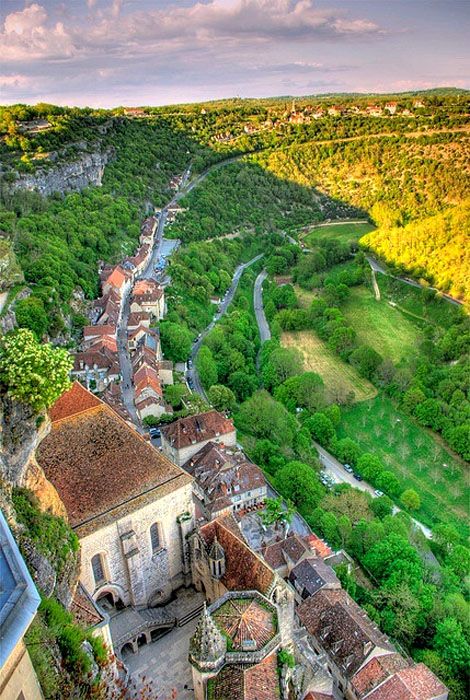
30 313
222 398
451 645
242 384
206 367
370 467
276 512
36 374
410 499
347 451
446 537
387 481
176 341
429 413
382 506
282 364
413 398
298 483
174 394
321 429
305 391
366 360
459 560
264 417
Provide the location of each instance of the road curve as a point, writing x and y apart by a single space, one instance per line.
263 326
193 373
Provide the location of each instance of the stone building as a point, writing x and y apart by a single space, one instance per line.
361 659
234 648
186 436
130 506
19 601
225 481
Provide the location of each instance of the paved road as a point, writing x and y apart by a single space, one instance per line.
263 326
193 373
337 471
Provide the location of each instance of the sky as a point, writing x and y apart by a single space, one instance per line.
105 53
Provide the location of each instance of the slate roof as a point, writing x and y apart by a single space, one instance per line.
244 569
311 575
98 464
343 629
199 428
258 682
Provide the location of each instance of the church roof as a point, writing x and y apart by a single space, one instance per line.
249 624
216 551
99 465
244 569
257 682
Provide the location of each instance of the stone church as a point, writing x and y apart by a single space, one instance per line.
130 507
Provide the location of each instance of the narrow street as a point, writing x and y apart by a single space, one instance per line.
193 373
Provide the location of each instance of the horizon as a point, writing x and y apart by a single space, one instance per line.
103 53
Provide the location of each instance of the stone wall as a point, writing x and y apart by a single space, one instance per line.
133 573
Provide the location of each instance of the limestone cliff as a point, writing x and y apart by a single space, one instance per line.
70 176
10 271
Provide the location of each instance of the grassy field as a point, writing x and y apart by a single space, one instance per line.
391 333
419 304
343 232
415 456
304 297
340 378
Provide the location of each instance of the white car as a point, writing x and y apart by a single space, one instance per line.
378 493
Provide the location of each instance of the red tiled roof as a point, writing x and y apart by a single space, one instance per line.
147 288
257 682
413 683
194 429
117 278
97 462
343 629
104 343
74 401
376 671
292 547
245 620
321 548
99 330
244 569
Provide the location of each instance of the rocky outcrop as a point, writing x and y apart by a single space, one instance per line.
72 176
10 271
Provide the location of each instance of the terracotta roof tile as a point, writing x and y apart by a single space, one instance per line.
413 683
257 682
244 569
245 620
376 671
99 330
74 401
194 429
97 462
345 632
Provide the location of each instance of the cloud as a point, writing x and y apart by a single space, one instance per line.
30 33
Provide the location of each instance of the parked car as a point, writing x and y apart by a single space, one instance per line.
378 493
155 432
190 363
357 476
348 468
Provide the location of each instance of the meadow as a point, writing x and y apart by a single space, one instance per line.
415 456
341 231
340 379
382 326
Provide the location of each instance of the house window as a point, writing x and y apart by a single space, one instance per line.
98 569
155 538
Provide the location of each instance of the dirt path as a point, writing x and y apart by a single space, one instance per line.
375 286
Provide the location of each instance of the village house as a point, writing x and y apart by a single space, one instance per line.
107 309
186 436
113 397
285 553
391 107
148 296
96 367
342 632
144 336
311 575
374 111
224 481
138 318
165 371
130 507
147 230
119 280
96 334
334 111
148 393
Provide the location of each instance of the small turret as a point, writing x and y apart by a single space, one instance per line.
207 646
217 559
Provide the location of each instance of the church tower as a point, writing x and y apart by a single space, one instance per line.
217 559
206 652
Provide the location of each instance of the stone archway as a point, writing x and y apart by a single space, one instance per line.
110 598
126 649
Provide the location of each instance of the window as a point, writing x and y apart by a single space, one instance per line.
155 538
98 570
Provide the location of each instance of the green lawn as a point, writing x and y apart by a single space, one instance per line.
415 456
378 324
343 232
425 304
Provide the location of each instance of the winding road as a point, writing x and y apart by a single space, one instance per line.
263 325
230 293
